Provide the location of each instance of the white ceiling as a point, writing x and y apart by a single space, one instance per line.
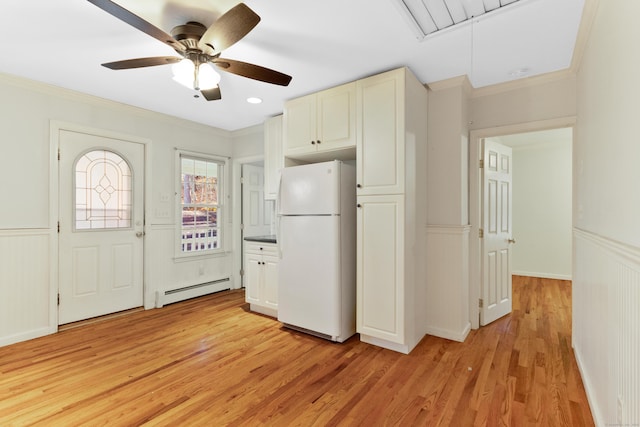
320 43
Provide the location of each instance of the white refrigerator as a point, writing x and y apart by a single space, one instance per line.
317 244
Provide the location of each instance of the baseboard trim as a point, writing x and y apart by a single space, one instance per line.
29 335
595 413
542 275
459 336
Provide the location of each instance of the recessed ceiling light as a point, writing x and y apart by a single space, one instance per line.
254 100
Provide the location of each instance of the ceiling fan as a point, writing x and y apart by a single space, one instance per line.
198 46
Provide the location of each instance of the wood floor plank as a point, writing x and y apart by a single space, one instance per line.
209 361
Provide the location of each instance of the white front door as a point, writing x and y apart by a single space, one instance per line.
101 214
497 230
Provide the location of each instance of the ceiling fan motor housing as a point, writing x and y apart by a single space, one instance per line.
189 34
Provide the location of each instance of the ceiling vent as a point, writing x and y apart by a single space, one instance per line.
429 16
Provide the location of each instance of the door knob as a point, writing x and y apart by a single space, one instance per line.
139 233
511 240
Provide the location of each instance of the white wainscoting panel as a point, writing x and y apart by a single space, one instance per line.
26 303
606 326
448 281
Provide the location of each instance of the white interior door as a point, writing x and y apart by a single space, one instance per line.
497 230
101 214
256 212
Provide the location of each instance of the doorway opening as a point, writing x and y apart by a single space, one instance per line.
542 202
252 214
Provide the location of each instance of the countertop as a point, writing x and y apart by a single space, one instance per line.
263 239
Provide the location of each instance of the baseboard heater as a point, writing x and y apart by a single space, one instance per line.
181 294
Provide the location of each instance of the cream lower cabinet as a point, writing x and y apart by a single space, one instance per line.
380 272
261 270
391 160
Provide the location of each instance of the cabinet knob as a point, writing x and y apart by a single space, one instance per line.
318 142
358 185
358 205
261 248
313 143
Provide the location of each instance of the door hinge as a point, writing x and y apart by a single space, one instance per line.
58 153
480 303
481 164
242 180
241 226
241 273
58 299
58 226
481 233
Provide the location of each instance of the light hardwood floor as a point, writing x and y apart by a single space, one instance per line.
209 362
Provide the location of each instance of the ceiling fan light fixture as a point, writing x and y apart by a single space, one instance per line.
183 72
202 78
208 77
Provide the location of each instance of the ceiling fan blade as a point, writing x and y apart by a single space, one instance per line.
142 62
252 71
135 21
228 29
212 94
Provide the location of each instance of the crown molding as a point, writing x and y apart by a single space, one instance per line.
71 95
251 130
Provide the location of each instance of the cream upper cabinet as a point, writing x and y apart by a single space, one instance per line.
320 123
391 160
273 159
380 152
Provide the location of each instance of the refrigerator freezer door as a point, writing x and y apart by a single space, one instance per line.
309 273
310 189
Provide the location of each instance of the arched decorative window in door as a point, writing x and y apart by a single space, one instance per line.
103 184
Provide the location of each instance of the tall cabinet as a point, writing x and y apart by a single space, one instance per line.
273 158
391 160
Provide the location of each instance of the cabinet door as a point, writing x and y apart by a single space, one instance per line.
299 126
273 158
380 269
336 117
270 270
380 149
253 283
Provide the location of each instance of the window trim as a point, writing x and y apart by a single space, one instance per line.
222 208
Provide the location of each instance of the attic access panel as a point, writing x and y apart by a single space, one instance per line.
429 16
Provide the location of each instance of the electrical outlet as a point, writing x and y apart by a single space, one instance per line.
620 410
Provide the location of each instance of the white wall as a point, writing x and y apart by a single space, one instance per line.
542 199
28 241
447 210
606 284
